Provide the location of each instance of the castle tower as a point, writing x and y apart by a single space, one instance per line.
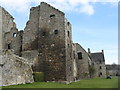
48 34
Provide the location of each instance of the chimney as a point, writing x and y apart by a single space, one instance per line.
89 51
103 51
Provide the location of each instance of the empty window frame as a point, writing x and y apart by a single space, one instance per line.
68 23
100 73
55 31
9 46
52 15
68 33
79 55
68 45
100 67
14 35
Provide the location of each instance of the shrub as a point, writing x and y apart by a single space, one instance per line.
38 76
91 70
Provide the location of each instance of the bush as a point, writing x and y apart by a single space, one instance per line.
92 70
38 76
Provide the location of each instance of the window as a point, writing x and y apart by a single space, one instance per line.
68 45
100 67
68 23
9 47
52 15
68 33
43 33
14 34
79 55
56 31
100 73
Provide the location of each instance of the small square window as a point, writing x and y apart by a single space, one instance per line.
56 31
79 55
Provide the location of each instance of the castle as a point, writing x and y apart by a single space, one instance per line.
45 45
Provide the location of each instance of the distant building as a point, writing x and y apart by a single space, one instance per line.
98 61
113 70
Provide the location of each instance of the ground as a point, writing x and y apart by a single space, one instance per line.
90 83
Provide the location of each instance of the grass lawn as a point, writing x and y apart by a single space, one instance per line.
90 83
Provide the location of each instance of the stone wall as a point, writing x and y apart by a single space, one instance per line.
30 35
13 40
7 24
69 51
10 37
52 43
1 28
15 70
82 60
46 34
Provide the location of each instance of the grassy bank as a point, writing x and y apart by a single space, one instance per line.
90 83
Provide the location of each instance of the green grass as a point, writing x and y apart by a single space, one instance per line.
90 83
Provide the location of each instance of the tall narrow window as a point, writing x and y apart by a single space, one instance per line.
79 55
9 47
100 67
68 33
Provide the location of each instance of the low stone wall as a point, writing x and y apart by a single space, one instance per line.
15 70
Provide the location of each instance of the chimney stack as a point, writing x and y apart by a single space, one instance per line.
89 51
103 51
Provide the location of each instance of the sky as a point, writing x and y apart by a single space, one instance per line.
94 22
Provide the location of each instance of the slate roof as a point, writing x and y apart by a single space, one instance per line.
97 56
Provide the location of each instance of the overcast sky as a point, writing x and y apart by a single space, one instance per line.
94 22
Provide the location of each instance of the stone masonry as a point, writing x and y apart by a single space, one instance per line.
45 45
15 69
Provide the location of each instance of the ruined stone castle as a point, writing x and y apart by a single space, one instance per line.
45 45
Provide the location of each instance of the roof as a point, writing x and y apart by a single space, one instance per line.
97 56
